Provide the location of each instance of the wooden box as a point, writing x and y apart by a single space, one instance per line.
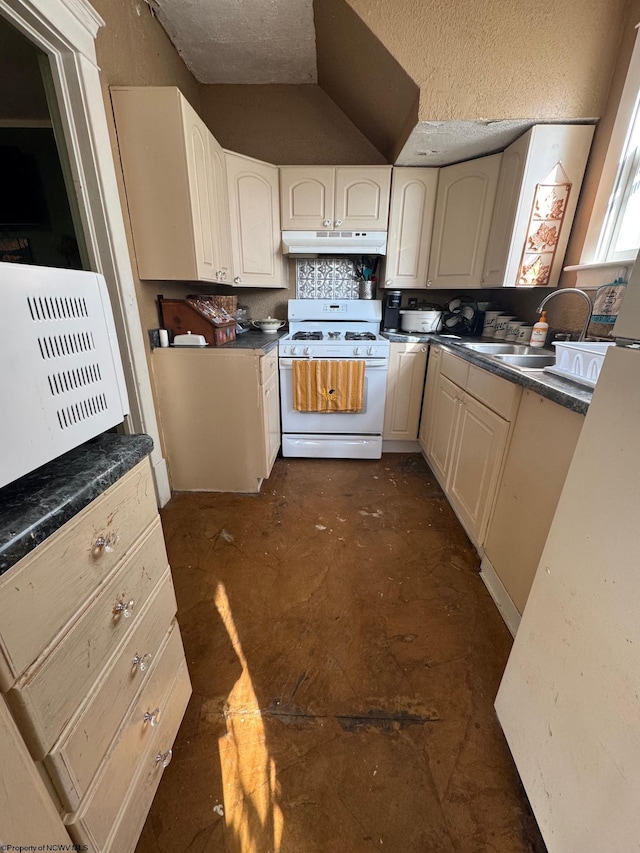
180 317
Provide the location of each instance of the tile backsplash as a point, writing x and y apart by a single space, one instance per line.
326 278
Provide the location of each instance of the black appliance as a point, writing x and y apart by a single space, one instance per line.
462 317
391 311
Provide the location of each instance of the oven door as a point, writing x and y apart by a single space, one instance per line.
367 422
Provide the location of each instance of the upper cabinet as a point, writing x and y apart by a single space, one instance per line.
255 222
175 184
538 191
413 202
462 220
321 198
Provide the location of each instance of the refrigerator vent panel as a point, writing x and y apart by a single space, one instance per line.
62 381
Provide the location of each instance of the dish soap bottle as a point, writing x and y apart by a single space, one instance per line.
539 331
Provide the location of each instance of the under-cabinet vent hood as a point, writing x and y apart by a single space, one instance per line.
310 244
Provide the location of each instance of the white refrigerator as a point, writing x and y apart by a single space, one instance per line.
569 701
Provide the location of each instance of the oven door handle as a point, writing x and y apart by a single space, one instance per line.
377 364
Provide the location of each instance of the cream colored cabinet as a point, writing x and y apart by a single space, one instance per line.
97 682
413 201
321 198
405 385
462 220
546 154
175 186
270 409
428 400
231 442
540 452
467 437
255 222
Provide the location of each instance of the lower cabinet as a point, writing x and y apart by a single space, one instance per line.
467 414
219 416
93 672
540 452
405 384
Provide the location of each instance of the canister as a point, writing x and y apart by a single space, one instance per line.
512 330
489 325
502 322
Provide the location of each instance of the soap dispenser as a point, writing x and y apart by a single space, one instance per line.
539 331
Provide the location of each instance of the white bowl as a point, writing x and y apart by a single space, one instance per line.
269 324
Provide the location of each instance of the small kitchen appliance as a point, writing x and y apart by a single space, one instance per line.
420 320
391 310
340 335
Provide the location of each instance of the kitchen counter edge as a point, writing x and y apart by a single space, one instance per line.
38 504
554 388
251 340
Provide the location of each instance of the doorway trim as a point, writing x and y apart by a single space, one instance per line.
65 30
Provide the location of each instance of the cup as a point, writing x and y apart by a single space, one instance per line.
489 325
502 323
524 334
163 335
512 330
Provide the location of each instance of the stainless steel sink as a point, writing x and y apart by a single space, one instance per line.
533 361
493 349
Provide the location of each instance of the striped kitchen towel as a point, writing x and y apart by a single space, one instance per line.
328 386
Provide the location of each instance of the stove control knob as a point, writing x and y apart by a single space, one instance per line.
369 350
293 350
356 350
306 351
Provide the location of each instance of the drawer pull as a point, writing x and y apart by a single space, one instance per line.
164 758
105 543
122 609
152 717
141 661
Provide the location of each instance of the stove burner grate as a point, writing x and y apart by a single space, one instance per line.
359 336
307 336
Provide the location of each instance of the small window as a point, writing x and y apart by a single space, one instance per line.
620 237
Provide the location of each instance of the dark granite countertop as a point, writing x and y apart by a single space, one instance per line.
38 504
565 393
253 339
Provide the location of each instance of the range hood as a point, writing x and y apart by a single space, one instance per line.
310 244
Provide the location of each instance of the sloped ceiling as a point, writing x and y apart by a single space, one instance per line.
330 42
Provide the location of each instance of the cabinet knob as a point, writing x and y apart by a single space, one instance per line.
423 349
327 223
105 543
122 609
164 758
338 222
429 282
237 280
389 282
152 717
141 661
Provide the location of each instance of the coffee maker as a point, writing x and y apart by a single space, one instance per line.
391 311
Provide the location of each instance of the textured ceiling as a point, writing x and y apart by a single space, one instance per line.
439 143
243 41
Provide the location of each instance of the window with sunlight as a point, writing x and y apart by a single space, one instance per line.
620 238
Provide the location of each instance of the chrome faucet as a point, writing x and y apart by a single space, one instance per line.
571 290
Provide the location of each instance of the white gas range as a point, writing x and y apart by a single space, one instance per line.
344 330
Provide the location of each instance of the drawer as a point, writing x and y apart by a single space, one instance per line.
454 368
498 394
113 816
268 366
74 761
50 692
48 589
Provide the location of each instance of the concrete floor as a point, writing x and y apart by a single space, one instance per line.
345 656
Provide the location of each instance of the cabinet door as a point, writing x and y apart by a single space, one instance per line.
201 191
362 197
428 400
221 231
306 197
271 414
464 205
413 201
514 159
476 462
446 410
405 384
255 222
